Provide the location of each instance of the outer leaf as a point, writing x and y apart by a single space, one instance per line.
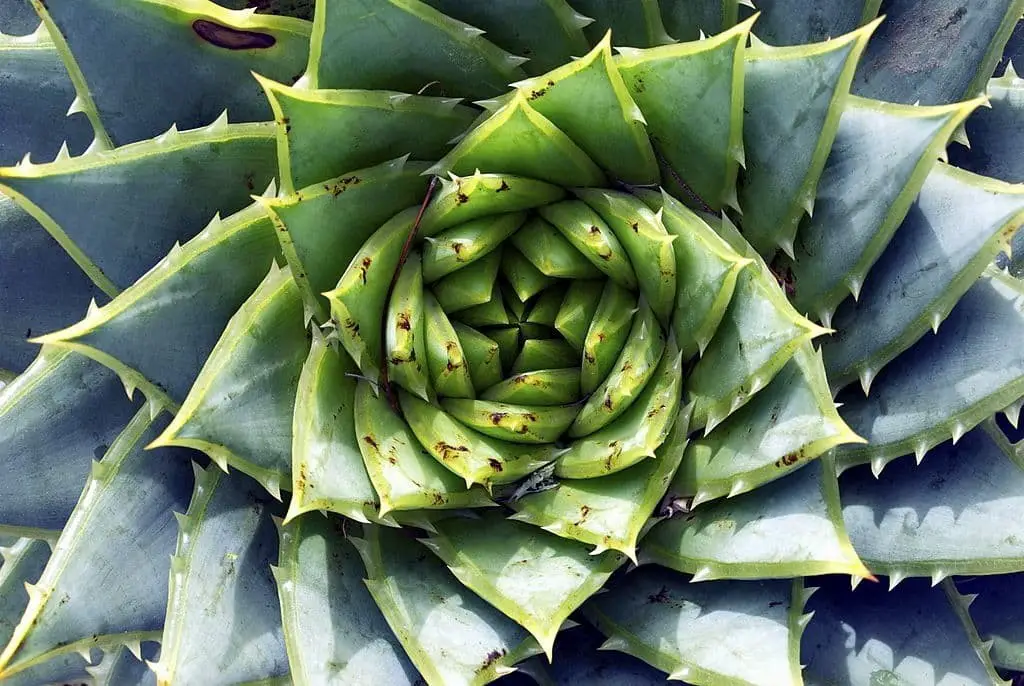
955 228
953 514
791 421
237 417
723 632
223 614
176 299
686 20
58 416
462 199
107 575
637 24
404 45
533 577
18 19
853 640
579 660
376 125
23 563
166 188
517 139
879 162
333 630
994 151
994 610
202 53
792 22
792 527
946 383
120 667
787 134
450 634
973 31
683 91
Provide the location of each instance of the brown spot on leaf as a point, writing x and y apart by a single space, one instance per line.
502 188
403 321
230 38
496 417
495 464
462 198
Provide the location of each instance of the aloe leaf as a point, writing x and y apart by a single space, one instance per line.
466 243
166 188
404 45
482 356
176 299
543 387
686 20
18 19
376 125
636 24
404 344
547 31
757 336
534 577
578 659
682 91
119 667
446 360
577 311
55 418
723 632
853 640
592 237
946 383
792 102
791 421
955 228
879 161
544 310
952 514
332 628
358 303
523 278
792 22
588 100
450 634
202 53
465 198
538 353
520 140
35 98
65 665
107 576
992 602
513 423
41 287
608 512
975 32
240 418
404 475
477 458
470 286
791 527
321 227
551 253
327 470
992 151
23 563
223 613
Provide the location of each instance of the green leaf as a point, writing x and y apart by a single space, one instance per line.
482 356
461 245
322 227
543 387
794 22
202 53
465 198
332 628
167 188
539 353
491 313
544 310
551 253
716 633
404 45
792 102
327 470
446 360
880 159
608 512
449 633
376 126
523 278
176 299
791 527
547 31
633 433
577 311
477 458
238 417
687 19
512 423
946 383
637 24
683 91
974 31
955 513
223 612
955 228
758 335
534 577
517 139
994 151
107 577
470 286
791 421
35 98
54 420
586 230
853 638
404 331
588 100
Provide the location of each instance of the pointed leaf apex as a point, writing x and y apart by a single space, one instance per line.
702 574
220 123
169 135
579 20
63 153
920 450
786 245
877 465
615 643
937 576
958 432
895 578
867 375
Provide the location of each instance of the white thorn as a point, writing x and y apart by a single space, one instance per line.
701 35
895 579
867 375
129 387
853 284
398 98
221 122
808 205
63 153
936 320
958 432
1012 412
877 465
270 192
168 135
825 317
93 309
701 497
77 105
937 576
919 451
681 674
786 245
703 574
472 31
738 487
855 582
960 136
26 161
579 20
86 655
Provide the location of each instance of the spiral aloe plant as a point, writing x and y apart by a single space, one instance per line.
507 353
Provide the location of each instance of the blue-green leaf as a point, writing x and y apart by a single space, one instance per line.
22 563
686 20
994 133
995 612
795 22
17 18
636 24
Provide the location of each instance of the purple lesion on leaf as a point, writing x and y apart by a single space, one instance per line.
231 38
